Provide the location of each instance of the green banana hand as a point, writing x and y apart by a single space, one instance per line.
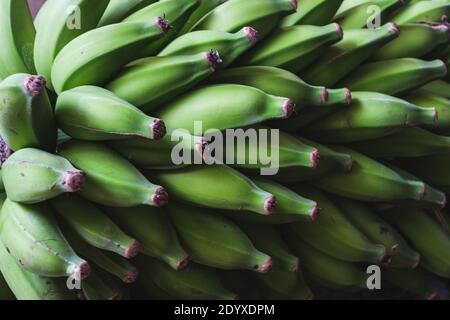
26 116
94 113
312 12
433 11
32 175
117 10
222 245
142 85
111 179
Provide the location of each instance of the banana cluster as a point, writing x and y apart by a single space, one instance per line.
93 95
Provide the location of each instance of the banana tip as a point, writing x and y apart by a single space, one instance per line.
73 180
269 205
288 108
324 94
163 24
266 266
82 271
132 250
394 28
314 212
160 197
131 277
314 157
213 59
296 266
347 96
443 202
294 4
158 129
339 31
34 85
252 34
182 263
5 151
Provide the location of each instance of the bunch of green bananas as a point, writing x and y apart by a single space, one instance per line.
92 203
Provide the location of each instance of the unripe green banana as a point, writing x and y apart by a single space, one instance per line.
152 291
359 14
32 175
394 76
155 232
93 226
284 285
194 282
110 262
312 12
221 245
216 186
229 45
268 240
371 115
205 7
100 286
142 85
94 113
426 38
17 35
26 116
62 21
408 143
331 272
223 107
117 10
176 11
95 56
111 179
263 15
438 87
398 253
433 11
425 235
293 48
30 234
334 234
340 59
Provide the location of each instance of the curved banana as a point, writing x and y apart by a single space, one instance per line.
221 245
94 227
142 85
62 21
438 87
205 7
263 15
111 179
433 11
216 186
341 58
94 113
371 115
95 56
155 232
334 234
293 48
117 10
229 45
30 234
26 116
17 35
312 12
394 76
225 106
32 175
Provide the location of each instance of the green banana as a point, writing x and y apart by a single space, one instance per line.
312 12
280 285
438 87
94 113
267 239
17 35
111 179
110 262
334 234
216 186
433 11
221 245
394 76
94 227
32 175
425 235
223 107
30 234
142 85
155 232
340 59
205 7
176 11
194 282
229 45
62 21
293 48
331 272
26 116
398 253
408 143
100 286
95 56
117 10
426 38
371 115
358 14
263 15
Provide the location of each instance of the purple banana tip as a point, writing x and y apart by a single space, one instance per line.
160 197
324 94
266 266
394 28
132 250
294 4
213 59
5 151
314 212
347 96
74 180
314 157
158 129
339 30
252 34
269 205
183 263
131 277
82 271
35 85
163 24
288 107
